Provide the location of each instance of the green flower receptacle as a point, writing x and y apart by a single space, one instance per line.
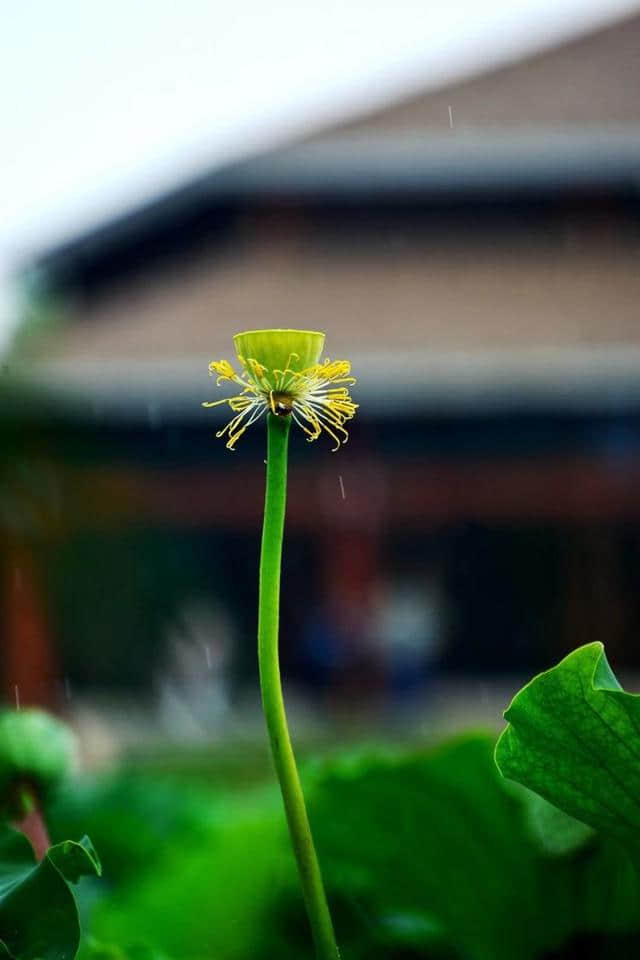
279 349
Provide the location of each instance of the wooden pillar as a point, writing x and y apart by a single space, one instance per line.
596 606
29 668
352 503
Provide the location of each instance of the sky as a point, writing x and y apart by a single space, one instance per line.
105 104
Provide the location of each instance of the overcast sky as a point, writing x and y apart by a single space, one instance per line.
104 104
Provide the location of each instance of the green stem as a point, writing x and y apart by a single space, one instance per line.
272 702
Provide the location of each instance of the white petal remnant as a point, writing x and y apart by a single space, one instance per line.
316 396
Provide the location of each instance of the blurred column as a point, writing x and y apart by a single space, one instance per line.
29 668
596 605
351 560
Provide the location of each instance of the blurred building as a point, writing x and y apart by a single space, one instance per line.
474 251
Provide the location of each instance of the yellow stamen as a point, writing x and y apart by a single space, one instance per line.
317 397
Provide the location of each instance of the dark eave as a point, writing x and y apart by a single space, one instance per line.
462 165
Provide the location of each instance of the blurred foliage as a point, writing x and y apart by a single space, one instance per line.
35 748
435 836
191 871
572 737
41 313
38 913
94 950
427 853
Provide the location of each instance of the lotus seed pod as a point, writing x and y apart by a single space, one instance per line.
295 350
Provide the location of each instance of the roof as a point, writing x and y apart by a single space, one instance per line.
539 306
567 118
